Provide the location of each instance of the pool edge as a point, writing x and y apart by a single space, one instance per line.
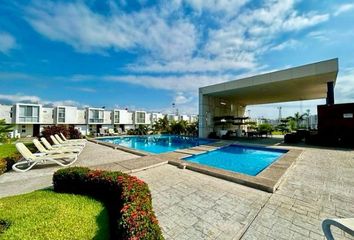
269 179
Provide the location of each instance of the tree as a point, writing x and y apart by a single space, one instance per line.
162 125
5 129
297 119
179 127
55 129
192 129
283 126
265 127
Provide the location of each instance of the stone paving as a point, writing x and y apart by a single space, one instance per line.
320 186
190 205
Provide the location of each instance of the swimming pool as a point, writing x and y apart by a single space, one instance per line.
237 158
156 143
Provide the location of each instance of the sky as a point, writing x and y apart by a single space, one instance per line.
147 55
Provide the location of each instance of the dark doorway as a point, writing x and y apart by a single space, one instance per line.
36 130
98 127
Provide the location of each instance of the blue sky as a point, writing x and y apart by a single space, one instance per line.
150 54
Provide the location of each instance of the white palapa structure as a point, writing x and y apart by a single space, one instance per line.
30 119
229 99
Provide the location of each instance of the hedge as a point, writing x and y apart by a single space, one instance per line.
127 199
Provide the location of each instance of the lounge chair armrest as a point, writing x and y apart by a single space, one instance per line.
345 224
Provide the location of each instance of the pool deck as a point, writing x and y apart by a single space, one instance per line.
268 180
191 205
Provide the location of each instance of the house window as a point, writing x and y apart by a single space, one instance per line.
95 116
116 117
140 117
29 114
61 115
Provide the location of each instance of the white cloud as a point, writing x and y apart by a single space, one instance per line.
77 25
7 42
181 98
15 76
287 44
15 98
344 8
195 65
19 98
319 35
344 89
297 22
169 40
83 89
185 83
225 6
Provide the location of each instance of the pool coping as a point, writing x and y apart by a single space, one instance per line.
133 150
267 180
119 147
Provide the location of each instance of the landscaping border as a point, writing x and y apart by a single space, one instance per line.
127 198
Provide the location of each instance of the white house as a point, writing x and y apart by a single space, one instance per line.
30 119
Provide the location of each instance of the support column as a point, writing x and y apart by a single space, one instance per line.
330 93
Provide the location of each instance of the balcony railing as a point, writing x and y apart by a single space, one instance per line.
28 119
96 120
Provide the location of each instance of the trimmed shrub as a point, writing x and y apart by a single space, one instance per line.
55 129
74 133
127 198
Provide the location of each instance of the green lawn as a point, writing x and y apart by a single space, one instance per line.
7 150
45 214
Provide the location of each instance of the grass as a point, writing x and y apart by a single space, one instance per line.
7 150
45 214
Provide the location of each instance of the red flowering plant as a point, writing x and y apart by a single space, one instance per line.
128 200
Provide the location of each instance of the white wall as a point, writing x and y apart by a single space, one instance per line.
107 117
125 117
81 113
71 115
5 111
47 115
83 129
17 112
25 130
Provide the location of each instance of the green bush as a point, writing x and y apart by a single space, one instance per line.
127 198
265 127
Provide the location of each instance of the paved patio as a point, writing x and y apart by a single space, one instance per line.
191 205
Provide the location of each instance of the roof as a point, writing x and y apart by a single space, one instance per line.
299 83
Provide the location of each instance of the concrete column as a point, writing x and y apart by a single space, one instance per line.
330 93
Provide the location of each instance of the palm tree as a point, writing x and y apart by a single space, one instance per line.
5 129
179 127
162 125
298 118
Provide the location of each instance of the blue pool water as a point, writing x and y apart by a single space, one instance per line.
241 159
157 143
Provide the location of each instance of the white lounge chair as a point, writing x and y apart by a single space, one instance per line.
42 149
61 141
345 224
30 159
54 147
57 143
71 140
